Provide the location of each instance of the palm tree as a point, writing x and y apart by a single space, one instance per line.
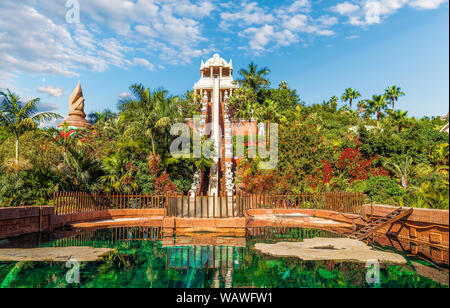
401 168
81 169
100 117
149 112
253 78
17 117
400 118
248 111
283 85
119 174
333 101
349 95
393 93
362 106
272 109
376 105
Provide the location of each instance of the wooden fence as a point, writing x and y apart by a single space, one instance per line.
81 202
343 202
212 206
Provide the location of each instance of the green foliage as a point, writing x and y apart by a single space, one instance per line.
17 117
128 151
30 187
383 189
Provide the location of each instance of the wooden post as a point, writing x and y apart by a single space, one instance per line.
195 205
220 204
214 205
226 200
207 206
182 205
189 206
201 206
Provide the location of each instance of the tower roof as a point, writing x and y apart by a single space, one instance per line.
216 60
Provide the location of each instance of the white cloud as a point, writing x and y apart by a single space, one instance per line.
369 12
296 22
345 8
125 95
51 90
352 37
298 6
143 62
261 37
47 107
427 4
36 39
246 14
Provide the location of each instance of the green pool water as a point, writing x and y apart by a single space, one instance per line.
143 260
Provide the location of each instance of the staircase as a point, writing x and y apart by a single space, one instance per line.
379 223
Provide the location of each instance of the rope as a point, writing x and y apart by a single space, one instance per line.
425 227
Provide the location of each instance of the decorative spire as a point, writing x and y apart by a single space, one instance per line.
77 117
76 101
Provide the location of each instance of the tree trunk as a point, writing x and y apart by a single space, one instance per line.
393 104
404 182
153 143
17 150
378 118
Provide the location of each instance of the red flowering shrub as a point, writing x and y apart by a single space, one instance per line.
356 167
321 176
163 185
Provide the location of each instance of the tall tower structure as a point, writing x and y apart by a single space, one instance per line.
215 86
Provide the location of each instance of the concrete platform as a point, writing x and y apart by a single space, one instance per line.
337 249
56 254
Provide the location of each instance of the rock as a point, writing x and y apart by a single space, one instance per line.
337 249
57 254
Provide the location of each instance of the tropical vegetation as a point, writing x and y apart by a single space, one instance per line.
347 144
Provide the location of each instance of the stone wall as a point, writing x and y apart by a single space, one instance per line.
16 221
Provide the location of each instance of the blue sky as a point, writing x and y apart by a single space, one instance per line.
319 47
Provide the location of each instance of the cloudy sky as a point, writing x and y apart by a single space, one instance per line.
319 47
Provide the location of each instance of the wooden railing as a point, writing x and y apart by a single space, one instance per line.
212 206
81 202
344 202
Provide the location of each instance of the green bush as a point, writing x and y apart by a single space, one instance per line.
383 189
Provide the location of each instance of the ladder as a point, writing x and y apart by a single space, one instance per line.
379 223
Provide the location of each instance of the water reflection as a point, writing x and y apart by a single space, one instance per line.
143 257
